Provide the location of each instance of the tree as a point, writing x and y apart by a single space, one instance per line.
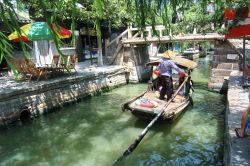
140 12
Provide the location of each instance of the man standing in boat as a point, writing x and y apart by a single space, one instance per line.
165 66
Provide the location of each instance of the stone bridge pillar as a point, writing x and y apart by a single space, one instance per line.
136 56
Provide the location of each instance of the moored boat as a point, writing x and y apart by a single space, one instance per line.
192 54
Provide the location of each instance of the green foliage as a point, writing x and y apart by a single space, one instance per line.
117 13
9 19
6 47
84 10
195 14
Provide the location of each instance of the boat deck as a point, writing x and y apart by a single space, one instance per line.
178 104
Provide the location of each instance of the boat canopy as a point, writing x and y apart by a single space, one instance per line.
178 60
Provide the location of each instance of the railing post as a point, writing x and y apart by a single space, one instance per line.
160 32
244 58
106 47
149 31
142 35
129 31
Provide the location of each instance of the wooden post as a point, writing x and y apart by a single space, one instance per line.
244 58
99 43
142 35
150 32
160 30
106 47
129 31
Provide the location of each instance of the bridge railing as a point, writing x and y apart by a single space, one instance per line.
118 38
144 36
148 31
113 48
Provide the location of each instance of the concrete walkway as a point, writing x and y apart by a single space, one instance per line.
237 150
9 84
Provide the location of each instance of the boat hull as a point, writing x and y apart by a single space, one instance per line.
171 112
165 118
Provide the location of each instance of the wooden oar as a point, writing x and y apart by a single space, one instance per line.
132 147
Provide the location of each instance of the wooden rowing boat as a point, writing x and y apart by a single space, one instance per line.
147 105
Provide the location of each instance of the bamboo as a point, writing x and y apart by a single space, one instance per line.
132 147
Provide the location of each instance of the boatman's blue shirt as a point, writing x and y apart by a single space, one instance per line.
166 66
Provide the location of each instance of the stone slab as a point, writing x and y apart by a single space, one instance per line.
237 150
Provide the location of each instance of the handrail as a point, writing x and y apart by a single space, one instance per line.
117 38
157 27
175 38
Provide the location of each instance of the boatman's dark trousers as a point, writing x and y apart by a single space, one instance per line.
167 87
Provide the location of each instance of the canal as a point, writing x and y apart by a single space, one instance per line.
96 132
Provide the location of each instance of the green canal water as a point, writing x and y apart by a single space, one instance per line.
95 132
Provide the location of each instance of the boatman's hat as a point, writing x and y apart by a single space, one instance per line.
169 54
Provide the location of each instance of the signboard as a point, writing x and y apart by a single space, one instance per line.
232 56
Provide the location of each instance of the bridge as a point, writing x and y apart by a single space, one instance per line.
136 36
123 43
133 48
177 38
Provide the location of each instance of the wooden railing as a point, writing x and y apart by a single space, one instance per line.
130 33
143 36
138 36
148 30
118 38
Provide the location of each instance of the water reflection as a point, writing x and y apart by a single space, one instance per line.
96 132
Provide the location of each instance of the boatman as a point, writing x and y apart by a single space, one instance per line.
165 66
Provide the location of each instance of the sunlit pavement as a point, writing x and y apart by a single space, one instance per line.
238 100
84 69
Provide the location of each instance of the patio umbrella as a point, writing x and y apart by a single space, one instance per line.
39 31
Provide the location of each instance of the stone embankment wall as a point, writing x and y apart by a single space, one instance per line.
138 57
42 97
134 57
222 66
222 49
